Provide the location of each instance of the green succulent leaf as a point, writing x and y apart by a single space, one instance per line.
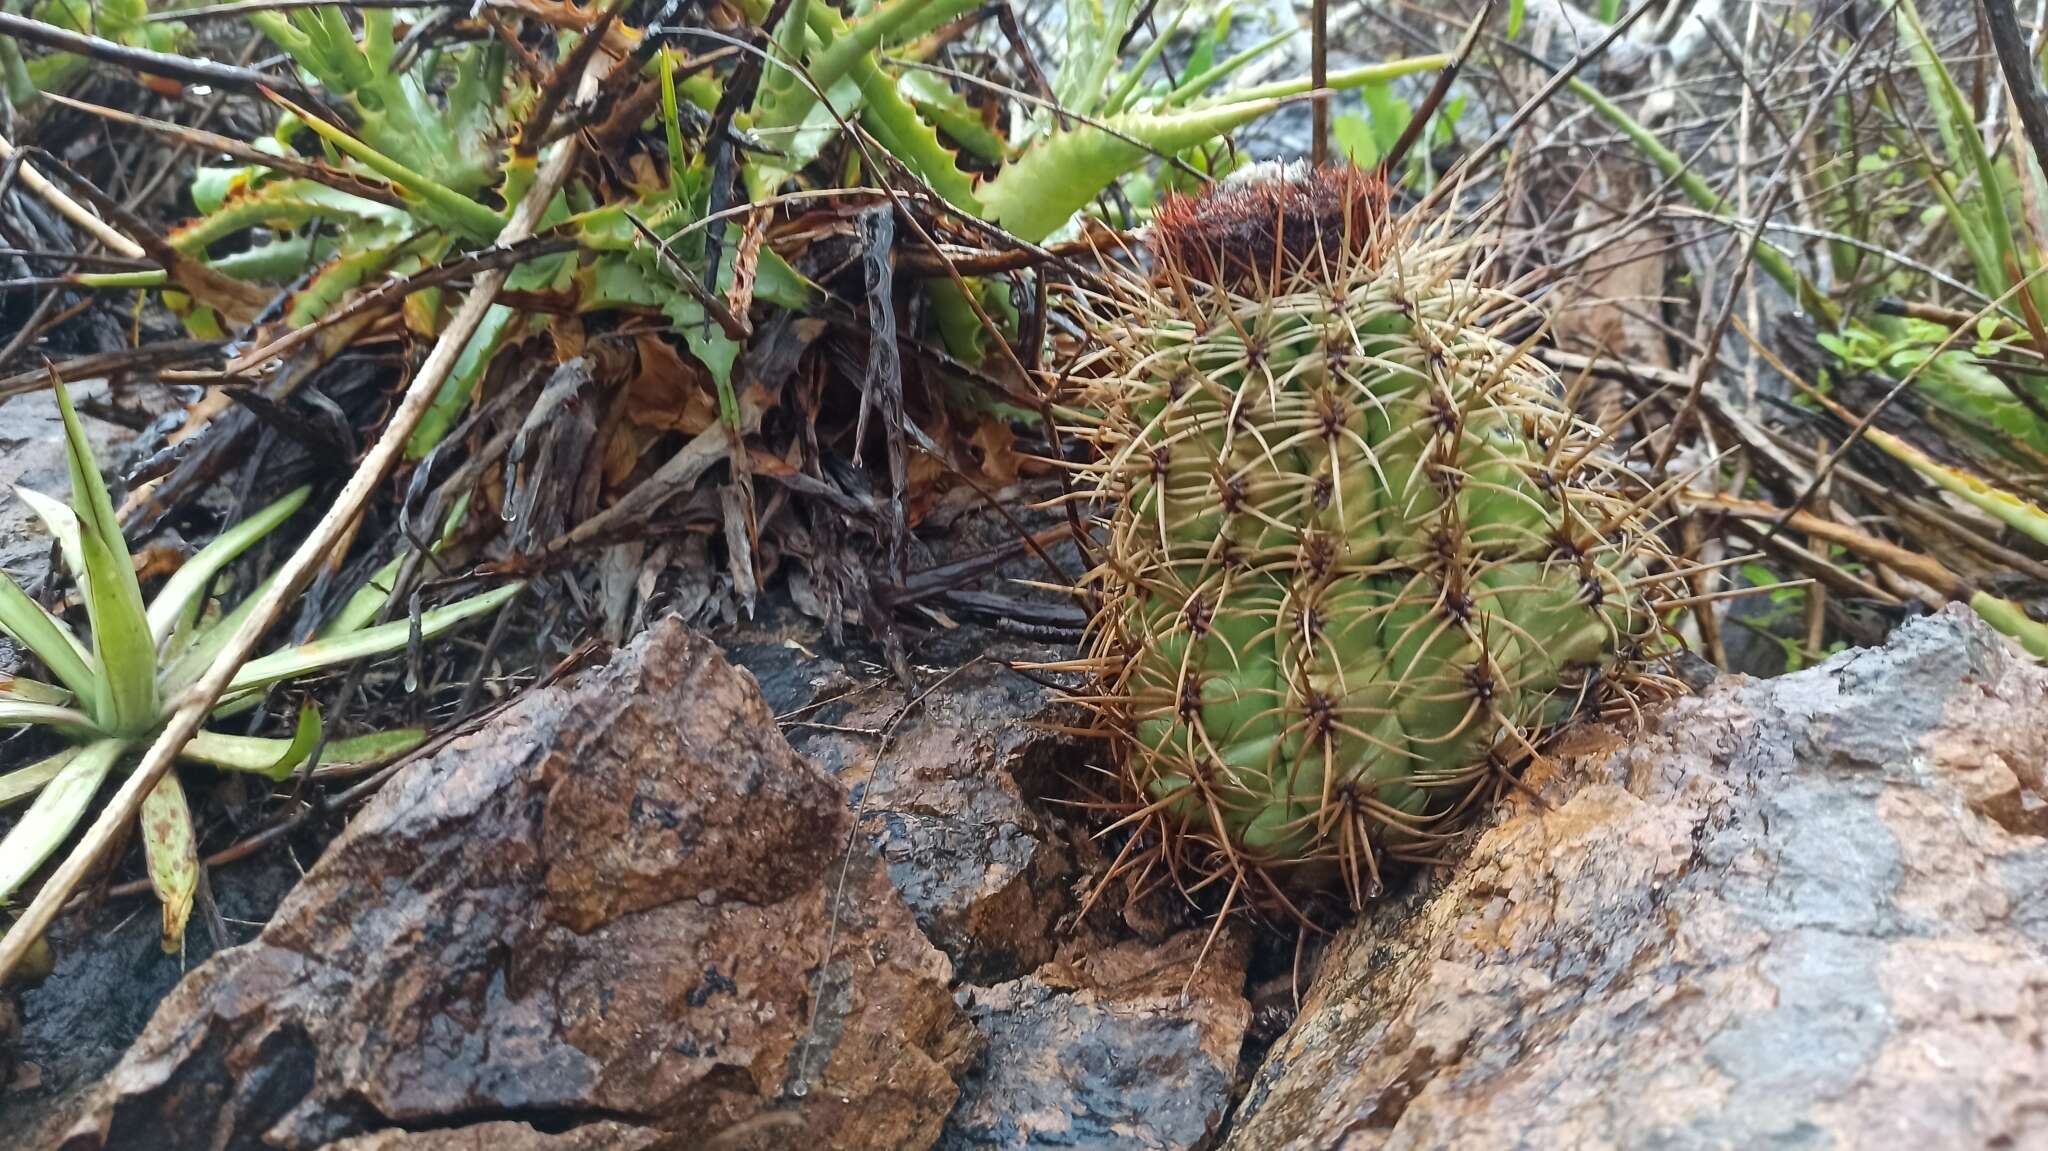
26 690
29 624
60 523
124 655
23 782
183 665
277 759
27 713
191 580
323 654
58 807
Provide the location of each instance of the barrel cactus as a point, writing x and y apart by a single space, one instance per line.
1359 554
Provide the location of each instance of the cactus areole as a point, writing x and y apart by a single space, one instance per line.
1360 555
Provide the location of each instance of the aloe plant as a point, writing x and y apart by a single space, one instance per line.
111 691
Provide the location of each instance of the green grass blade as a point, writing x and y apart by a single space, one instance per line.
171 852
1194 86
124 654
1995 249
1119 100
322 654
21 783
27 623
1774 262
49 821
191 580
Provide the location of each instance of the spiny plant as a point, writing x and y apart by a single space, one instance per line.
1359 552
110 693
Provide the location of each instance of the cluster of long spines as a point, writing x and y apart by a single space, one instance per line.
1234 422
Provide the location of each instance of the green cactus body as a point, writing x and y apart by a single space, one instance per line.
1359 551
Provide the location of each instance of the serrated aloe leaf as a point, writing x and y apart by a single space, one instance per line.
23 782
183 668
30 625
2013 620
775 282
849 43
191 580
170 849
49 821
27 713
2020 514
897 126
1091 37
434 201
124 655
383 639
937 102
801 142
60 523
461 383
286 204
1059 174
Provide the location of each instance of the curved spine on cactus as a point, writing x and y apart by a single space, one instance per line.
1359 555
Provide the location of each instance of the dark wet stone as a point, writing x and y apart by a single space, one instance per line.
1802 912
601 1136
624 899
937 790
1104 1051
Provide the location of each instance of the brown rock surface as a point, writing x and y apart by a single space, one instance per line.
611 904
1810 912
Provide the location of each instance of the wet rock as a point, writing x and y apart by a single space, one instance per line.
1803 912
945 786
1104 1050
937 788
626 900
507 1137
